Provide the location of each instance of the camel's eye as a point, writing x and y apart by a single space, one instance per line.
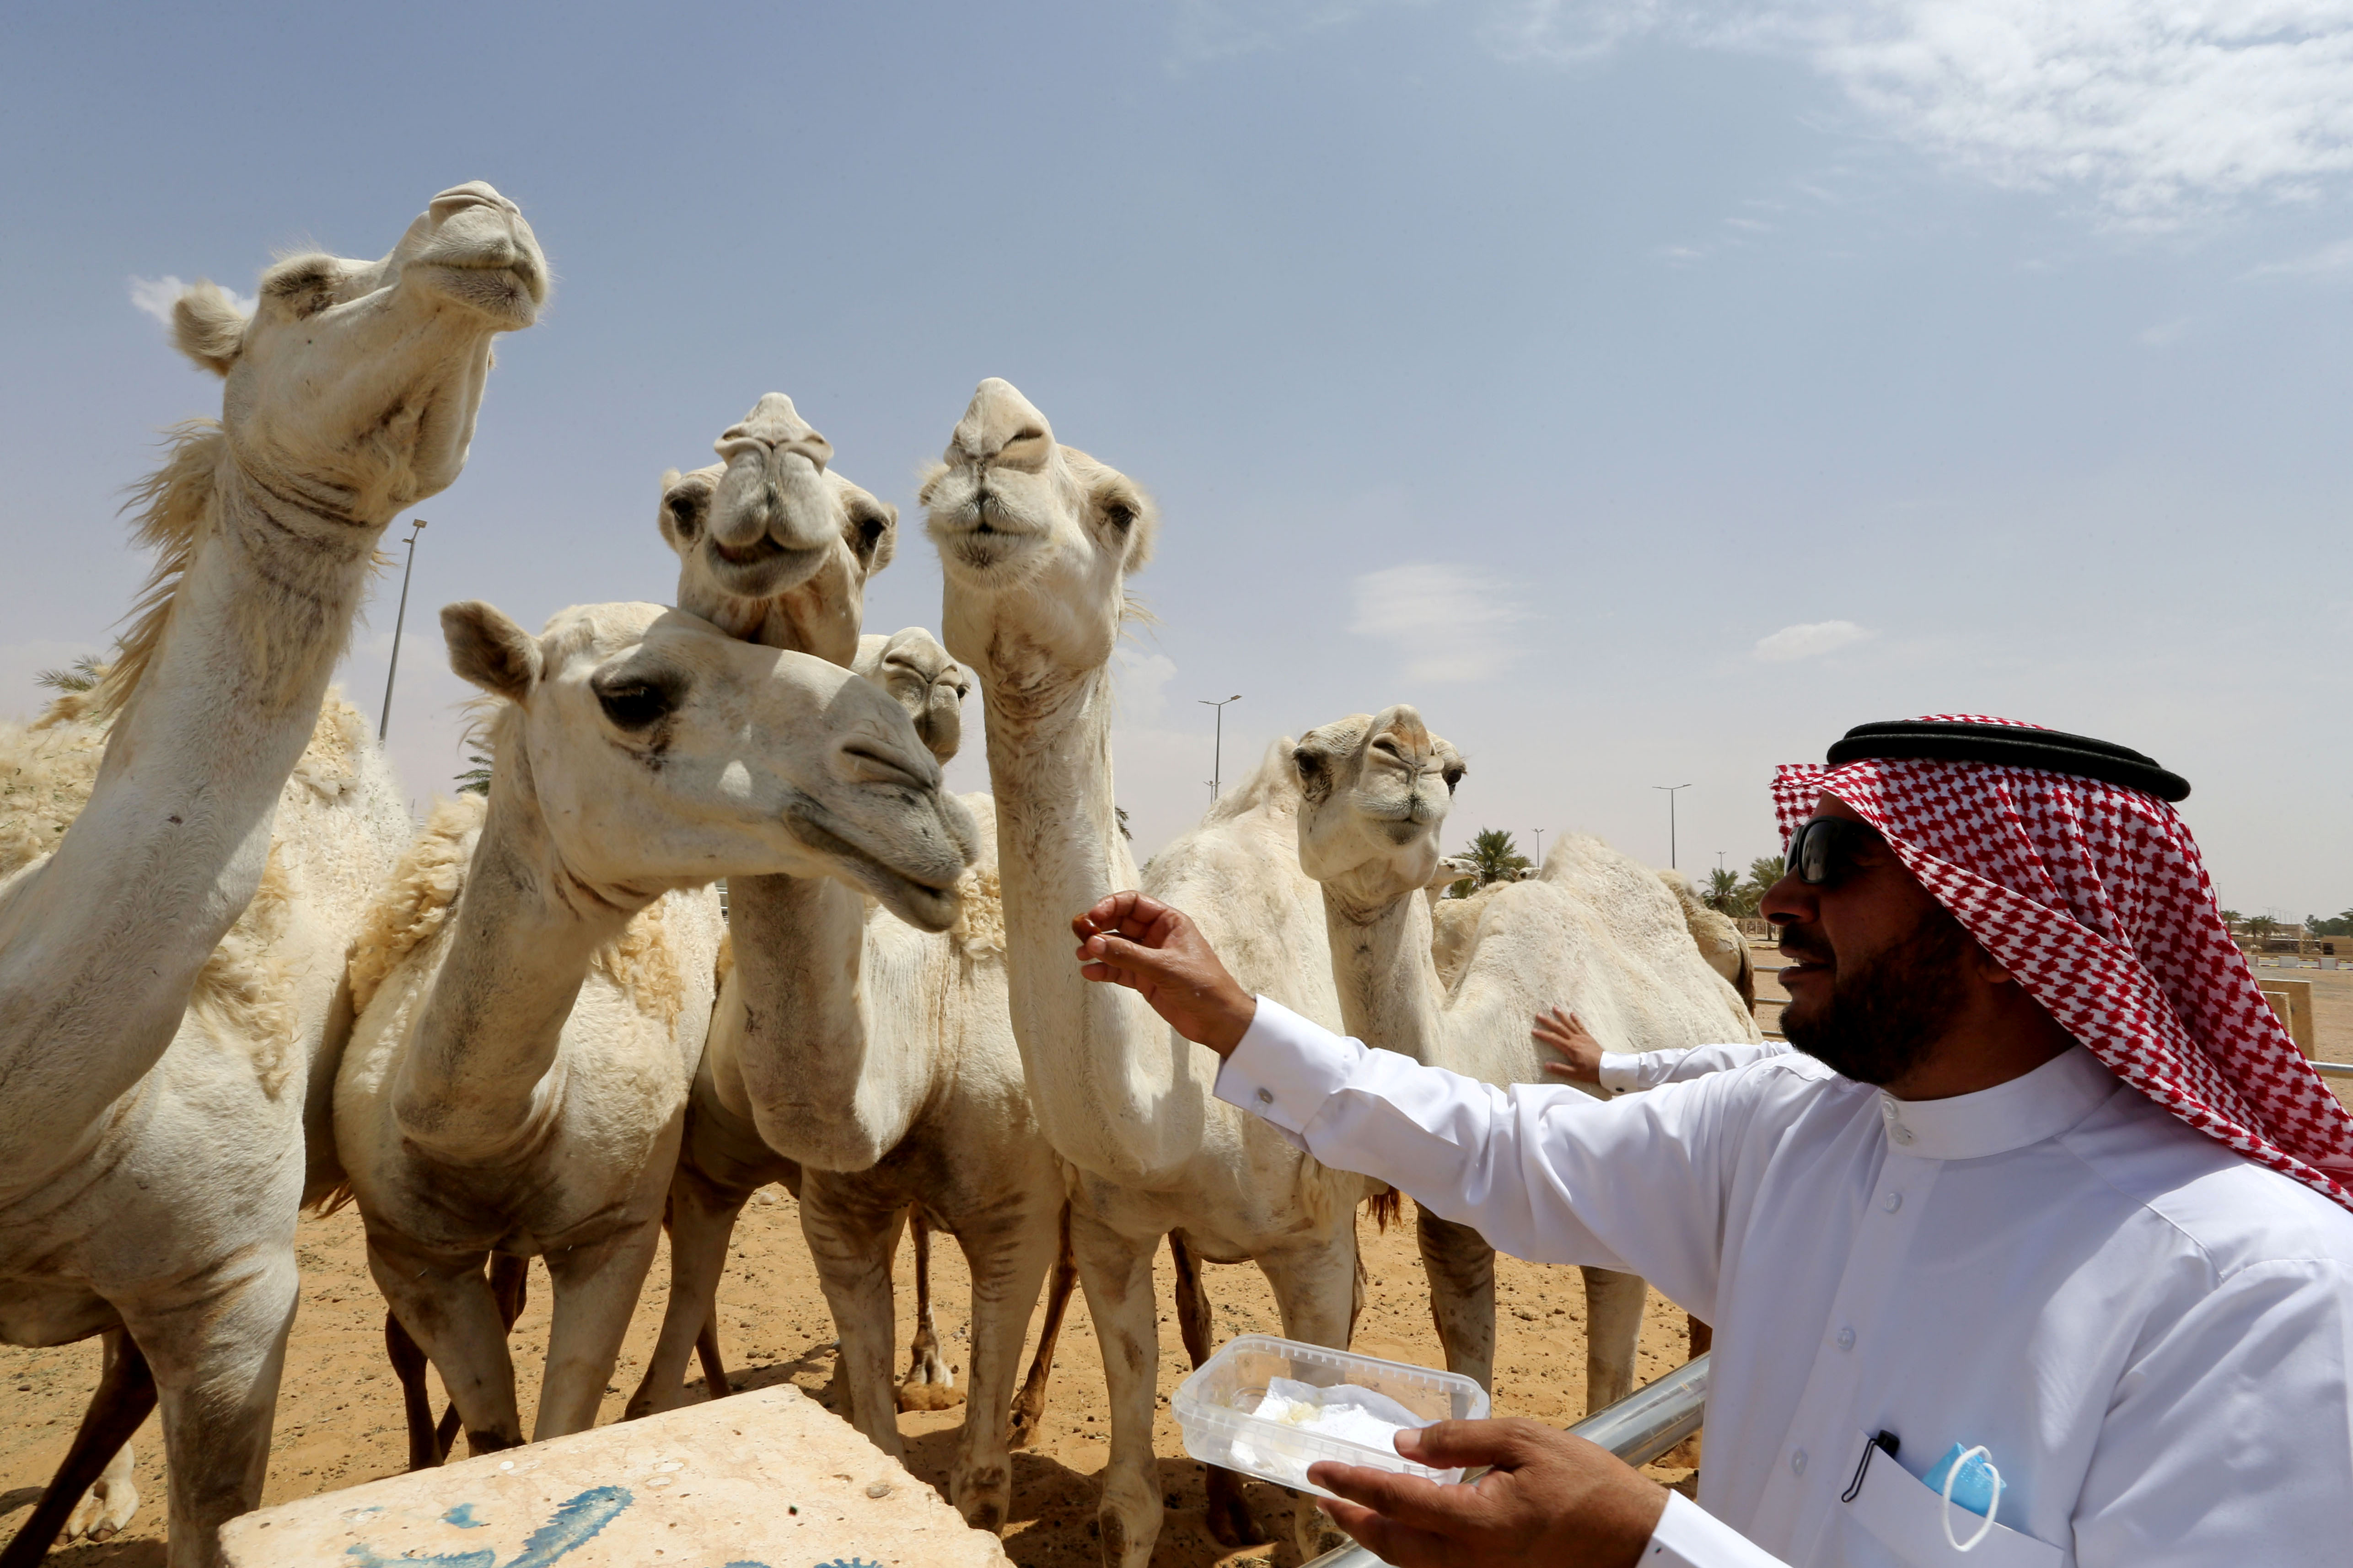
633 702
870 530
1454 776
685 515
1120 516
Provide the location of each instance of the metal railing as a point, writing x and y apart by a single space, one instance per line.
1637 1429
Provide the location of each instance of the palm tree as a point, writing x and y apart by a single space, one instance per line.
1498 860
476 779
80 676
1722 893
1763 873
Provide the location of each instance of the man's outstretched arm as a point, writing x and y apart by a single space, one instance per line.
1549 1498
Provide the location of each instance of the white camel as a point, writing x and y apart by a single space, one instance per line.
869 1066
1718 939
279 973
1035 540
493 1099
1594 931
152 1154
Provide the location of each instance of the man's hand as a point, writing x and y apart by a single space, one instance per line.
1551 1499
1153 951
1558 1030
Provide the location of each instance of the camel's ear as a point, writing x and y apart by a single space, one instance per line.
490 650
1311 761
873 532
208 326
685 508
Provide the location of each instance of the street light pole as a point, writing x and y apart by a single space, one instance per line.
1540 832
400 615
1670 790
1218 755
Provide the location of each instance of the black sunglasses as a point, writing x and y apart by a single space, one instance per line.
1823 848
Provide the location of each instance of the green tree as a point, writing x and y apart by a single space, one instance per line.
1497 859
80 676
1723 894
476 779
1763 873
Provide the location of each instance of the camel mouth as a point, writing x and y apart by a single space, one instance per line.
762 568
920 897
501 282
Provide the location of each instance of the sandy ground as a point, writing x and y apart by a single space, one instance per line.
339 1419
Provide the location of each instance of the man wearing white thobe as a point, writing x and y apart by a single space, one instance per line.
1972 1234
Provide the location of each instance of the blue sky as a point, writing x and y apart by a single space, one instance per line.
1647 392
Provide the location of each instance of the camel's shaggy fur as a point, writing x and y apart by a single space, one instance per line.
176 511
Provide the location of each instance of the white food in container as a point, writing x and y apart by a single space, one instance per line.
1270 1407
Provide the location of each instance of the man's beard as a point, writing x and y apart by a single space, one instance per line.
1882 1016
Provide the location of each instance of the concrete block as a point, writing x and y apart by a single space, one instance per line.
765 1479
2291 999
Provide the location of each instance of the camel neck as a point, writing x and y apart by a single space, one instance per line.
486 1055
1389 993
98 949
1111 1095
826 1086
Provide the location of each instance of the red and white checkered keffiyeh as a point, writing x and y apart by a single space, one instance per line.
2095 898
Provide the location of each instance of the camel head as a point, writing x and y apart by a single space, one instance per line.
1375 795
773 546
661 752
1035 540
910 665
352 387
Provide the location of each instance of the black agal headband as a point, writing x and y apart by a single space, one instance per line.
2011 745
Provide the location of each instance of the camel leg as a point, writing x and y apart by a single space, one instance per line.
217 1354
1462 1270
595 1287
508 1274
445 1303
851 1242
1008 1254
125 1393
1030 1405
929 1385
706 1351
1613 1323
1116 1271
702 1221
426 1447
1229 1517
111 1501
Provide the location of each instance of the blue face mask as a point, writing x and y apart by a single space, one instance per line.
1967 1476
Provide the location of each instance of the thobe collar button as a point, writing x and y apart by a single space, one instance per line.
1892 1202
1890 1113
1846 1339
1797 1463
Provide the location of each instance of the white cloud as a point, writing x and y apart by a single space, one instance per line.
2156 110
1144 686
155 296
1449 621
1810 640
2337 257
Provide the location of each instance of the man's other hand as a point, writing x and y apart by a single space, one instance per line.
1551 1499
1558 1030
1156 952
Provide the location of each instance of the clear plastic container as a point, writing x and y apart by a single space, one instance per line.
1215 1408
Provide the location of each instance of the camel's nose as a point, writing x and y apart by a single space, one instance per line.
774 425
997 415
472 194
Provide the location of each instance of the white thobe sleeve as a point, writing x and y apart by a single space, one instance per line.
1688 1536
1624 1072
2230 1428
1546 1172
